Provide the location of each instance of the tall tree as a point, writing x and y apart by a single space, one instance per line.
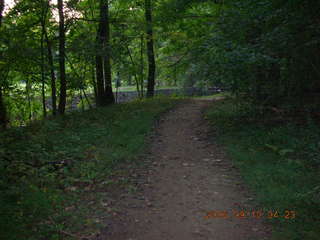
107 63
62 66
50 58
103 65
52 74
43 18
1 10
3 112
150 49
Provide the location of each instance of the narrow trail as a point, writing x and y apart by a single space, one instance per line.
189 177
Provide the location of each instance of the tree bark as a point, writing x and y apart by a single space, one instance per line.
62 67
43 91
3 110
99 73
141 65
53 76
135 75
94 83
107 64
150 49
50 58
28 92
43 84
103 65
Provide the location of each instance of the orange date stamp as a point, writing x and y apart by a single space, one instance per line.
256 214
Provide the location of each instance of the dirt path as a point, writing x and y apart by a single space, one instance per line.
189 177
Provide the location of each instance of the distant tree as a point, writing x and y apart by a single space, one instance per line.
1 10
103 66
150 49
46 9
3 112
62 65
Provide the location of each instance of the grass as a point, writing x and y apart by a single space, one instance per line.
216 95
280 161
133 88
54 173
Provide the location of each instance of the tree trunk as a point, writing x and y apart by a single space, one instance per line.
94 83
107 64
3 111
28 92
99 74
1 10
150 50
103 65
175 75
141 65
130 80
50 61
43 91
53 76
135 75
86 97
62 67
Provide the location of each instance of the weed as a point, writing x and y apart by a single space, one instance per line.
50 170
280 162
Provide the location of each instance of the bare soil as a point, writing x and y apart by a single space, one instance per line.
187 176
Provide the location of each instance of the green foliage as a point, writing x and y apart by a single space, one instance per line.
43 165
264 49
279 161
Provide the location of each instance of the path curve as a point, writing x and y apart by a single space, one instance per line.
189 177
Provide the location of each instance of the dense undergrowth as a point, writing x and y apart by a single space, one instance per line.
50 168
279 157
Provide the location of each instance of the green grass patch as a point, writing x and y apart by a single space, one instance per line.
213 96
134 88
280 161
49 169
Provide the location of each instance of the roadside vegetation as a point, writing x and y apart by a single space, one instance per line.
264 52
279 157
52 169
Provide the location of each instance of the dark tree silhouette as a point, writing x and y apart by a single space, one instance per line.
150 49
62 65
103 67
3 112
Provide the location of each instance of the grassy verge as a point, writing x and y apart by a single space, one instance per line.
216 95
133 88
54 173
279 160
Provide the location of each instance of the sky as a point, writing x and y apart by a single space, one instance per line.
10 3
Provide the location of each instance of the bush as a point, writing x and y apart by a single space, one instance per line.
280 161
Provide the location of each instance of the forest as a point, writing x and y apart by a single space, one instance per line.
52 51
63 64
